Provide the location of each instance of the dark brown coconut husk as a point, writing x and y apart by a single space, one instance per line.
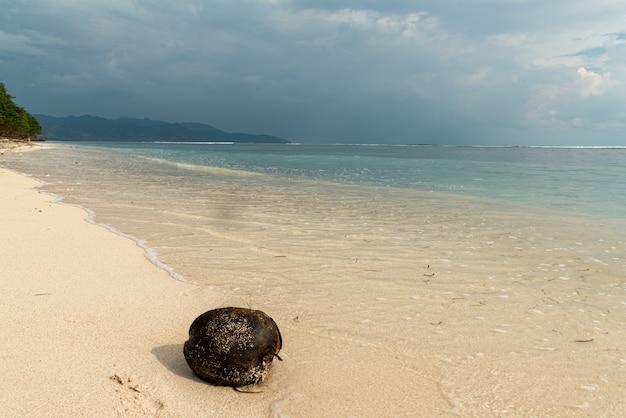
232 346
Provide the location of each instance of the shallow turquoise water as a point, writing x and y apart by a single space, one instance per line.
584 180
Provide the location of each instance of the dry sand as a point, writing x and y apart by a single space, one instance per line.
92 328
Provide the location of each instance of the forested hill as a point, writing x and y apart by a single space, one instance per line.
15 121
92 128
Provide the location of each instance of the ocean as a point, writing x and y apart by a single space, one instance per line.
586 180
501 255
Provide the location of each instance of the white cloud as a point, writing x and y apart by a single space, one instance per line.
321 21
576 103
375 21
592 83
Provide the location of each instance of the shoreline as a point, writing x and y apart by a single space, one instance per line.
67 290
92 327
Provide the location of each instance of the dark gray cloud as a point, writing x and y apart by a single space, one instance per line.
450 71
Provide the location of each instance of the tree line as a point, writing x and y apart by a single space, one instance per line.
15 121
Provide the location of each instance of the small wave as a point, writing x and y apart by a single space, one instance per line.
217 170
204 168
194 142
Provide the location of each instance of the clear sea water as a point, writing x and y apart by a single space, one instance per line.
583 180
471 263
134 186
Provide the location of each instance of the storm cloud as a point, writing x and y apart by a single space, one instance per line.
487 72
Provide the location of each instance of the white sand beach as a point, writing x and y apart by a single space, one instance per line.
93 328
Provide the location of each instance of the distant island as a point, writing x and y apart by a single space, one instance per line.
93 128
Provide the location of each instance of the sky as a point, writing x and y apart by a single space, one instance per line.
476 72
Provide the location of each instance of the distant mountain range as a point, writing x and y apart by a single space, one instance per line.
93 128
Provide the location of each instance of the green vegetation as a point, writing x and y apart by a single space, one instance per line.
15 121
